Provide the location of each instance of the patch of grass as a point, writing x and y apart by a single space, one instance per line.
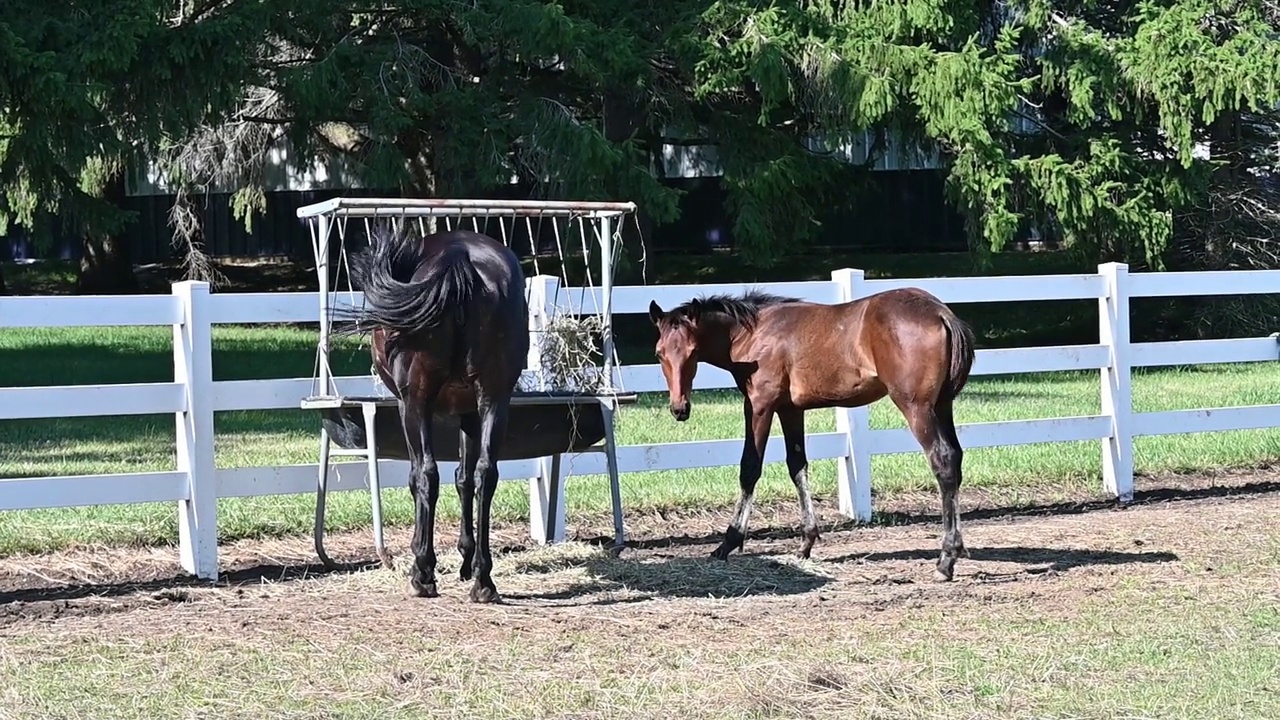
118 444
264 438
1117 655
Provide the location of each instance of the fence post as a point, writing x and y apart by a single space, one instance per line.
193 369
546 492
853 478
1117 398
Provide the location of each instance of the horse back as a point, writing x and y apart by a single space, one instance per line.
856 352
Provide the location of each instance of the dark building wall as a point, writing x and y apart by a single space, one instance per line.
901 211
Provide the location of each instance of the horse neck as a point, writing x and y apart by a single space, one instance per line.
716 338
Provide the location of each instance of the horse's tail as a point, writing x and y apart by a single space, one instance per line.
960 336
404 306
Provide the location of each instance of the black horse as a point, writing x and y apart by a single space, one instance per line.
450 335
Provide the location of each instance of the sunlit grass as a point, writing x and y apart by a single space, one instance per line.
265 438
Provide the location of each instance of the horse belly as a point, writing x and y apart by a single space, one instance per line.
844 389
456 398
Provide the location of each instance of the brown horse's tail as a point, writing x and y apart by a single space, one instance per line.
961 337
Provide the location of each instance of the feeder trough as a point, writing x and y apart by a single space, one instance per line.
539 424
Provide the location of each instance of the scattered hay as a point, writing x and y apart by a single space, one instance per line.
87 565
579 572
831 689
549 560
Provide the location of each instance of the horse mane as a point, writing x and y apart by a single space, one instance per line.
743 310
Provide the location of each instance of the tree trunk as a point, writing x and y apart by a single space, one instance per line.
3 290
106 265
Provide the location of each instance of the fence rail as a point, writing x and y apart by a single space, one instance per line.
193 397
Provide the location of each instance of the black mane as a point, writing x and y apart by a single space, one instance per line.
743 310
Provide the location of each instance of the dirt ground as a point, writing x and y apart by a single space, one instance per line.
1052 557
1024 552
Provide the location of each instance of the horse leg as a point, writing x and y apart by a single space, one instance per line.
935 429
757 436
424 485
464 480
792 421
949 467
493 428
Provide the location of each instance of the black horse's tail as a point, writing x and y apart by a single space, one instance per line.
961 340
404 306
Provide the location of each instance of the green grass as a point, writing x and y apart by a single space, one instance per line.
262 438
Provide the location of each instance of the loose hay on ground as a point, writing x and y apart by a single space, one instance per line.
577 570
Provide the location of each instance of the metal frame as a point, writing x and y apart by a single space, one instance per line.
322 215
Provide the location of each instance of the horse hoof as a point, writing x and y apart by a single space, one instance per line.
941 576
484 594
464 572
803 553
720 554
422 590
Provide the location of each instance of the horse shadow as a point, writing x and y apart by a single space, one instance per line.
612 581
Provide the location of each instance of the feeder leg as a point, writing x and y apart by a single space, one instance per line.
375 484
322 490
555 481
615 486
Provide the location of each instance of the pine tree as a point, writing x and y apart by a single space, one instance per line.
85 88
1079 117
1082 119
436 98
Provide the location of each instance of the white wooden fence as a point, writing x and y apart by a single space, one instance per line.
193 396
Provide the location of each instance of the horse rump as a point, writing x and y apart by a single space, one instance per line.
411 285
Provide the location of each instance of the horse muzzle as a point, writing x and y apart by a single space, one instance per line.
680 411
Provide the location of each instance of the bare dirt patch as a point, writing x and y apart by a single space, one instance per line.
1063 550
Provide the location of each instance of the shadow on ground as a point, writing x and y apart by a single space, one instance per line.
1040 559
170 589
597 578
610 581
898 518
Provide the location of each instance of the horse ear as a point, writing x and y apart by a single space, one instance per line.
655 312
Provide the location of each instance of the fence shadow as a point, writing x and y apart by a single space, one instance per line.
1050 559
173 588
893 518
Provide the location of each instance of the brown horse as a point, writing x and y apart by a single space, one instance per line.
788 356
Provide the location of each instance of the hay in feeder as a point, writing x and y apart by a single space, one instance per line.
571 354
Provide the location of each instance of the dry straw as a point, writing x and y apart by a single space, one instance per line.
571 354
